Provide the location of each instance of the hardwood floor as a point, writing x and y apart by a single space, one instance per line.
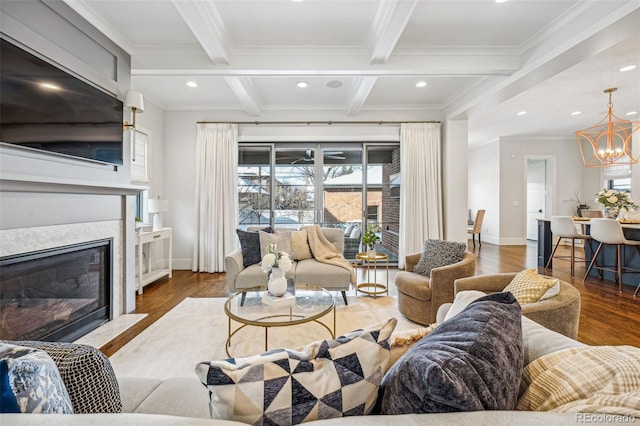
607 316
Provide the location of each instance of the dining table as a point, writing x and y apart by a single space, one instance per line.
631 230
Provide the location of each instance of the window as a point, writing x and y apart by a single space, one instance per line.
618 177
372 214
290 185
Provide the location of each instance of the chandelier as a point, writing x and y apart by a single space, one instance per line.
608 142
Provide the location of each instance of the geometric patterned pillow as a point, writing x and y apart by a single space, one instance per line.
528 287
31 382
87 375
437 253
326 379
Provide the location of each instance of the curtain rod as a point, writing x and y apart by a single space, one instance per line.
257 123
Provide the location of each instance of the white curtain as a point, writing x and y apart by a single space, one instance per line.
216 195
421 187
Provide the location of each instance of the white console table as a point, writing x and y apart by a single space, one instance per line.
151 275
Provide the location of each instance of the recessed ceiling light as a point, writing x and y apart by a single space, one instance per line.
334 84
627 68
296 1
421 84
49 86
521 113
576 113
500 1
302 84
632 113
192 84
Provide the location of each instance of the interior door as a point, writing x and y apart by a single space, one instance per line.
536 195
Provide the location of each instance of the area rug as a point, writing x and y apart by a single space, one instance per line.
196 330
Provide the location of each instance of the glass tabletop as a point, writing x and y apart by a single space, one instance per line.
312 302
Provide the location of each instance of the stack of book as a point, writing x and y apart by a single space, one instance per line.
285 301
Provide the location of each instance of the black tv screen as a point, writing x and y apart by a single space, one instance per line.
45 108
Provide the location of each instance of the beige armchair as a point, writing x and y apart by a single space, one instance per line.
419 297
560 313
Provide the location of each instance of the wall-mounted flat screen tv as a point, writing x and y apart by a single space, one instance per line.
45 108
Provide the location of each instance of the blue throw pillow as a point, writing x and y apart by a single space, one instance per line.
250 245
470 362
31 382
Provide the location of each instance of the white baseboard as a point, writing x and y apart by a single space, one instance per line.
182 264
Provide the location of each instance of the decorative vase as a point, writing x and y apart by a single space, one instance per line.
610 212
277 284
372 253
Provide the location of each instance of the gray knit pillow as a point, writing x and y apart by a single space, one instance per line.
87 375
439 253
470 362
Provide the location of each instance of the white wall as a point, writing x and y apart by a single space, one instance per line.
455 180
484 187
497 177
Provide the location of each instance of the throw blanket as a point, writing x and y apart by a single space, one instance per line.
592 379
324 251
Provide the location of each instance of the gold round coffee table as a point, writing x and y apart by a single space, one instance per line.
246 307
372 288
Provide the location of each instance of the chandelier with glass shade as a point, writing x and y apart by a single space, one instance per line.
608 142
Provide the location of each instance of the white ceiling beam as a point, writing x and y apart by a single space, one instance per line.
244 90
363 87
434 63
207 26
388 25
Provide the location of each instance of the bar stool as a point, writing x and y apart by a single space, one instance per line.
564 227
609 231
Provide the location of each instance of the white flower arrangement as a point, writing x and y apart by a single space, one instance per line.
275 259
615 198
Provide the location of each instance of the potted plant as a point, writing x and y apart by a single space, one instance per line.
370 238
580 205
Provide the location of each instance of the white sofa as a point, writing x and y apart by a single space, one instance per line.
184 400
310 271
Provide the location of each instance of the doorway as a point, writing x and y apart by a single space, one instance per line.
539 191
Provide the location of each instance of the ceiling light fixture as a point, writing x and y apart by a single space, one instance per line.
521 113
334 84
627 68
302 84
192 84
500 1
632 113
609 141
421 84
576 113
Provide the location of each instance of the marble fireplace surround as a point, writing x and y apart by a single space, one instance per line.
118 224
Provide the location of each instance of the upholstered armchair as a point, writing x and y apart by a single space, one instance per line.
419 297
560 313
352 243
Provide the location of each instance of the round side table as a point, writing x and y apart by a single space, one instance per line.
373 288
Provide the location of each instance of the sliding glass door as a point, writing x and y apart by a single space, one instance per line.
346 185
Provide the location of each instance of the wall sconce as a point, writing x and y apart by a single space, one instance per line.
133 101
157 206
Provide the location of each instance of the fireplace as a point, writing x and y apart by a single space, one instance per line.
56 294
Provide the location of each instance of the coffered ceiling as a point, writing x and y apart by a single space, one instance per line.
481 60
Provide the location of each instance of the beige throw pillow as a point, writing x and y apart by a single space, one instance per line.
528 286
281 239
300 249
